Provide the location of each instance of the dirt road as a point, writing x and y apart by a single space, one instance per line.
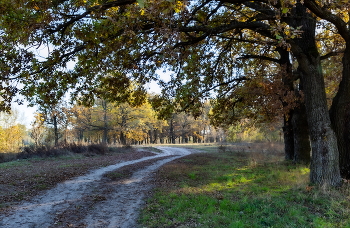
90 200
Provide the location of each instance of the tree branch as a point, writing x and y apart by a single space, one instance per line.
256 26
325 14
330 54
105 6
260 57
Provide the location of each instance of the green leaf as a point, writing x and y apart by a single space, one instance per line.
285 10
278 37
141 3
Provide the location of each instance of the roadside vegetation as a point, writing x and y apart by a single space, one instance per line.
226 187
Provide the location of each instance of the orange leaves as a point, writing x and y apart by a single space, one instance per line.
309 188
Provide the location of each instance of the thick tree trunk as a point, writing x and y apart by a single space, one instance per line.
150 136
287 78
105 136
324 169
302 147
295 129
122 138
340 116
155 135
288 136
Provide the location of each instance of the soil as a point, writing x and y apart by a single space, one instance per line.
106 197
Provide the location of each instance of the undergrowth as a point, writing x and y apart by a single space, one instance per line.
62 150
242 189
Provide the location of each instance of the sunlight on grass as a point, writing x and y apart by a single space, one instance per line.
258 180
216 186
225 190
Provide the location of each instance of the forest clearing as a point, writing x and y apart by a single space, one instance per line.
234 185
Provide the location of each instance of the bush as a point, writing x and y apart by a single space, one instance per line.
31 151
100 149
46 151
6 157
77 149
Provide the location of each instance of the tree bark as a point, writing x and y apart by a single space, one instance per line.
340 109
302 147
288 137
324 168
155 136
287 79
295 128
340 116
122 138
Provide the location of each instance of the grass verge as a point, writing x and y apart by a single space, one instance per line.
242 189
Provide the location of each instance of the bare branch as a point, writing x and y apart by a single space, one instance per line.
259 57
105 6
330 54
326 14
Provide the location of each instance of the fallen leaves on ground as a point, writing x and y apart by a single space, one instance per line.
27 178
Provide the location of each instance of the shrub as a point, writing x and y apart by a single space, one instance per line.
100 149
46 151
6 157
77 149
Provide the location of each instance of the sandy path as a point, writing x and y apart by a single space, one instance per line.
120 209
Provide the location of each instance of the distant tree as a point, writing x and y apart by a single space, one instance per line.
134 123
12 133
38 129
55 115
81 120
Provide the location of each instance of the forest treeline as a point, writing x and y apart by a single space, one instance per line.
122 124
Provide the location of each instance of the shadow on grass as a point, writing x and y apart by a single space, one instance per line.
232 189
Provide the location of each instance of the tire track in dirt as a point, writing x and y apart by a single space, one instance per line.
120 209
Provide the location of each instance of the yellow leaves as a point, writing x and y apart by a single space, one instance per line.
179 6
136 134
142 11
11 134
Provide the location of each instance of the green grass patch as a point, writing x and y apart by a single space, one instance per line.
14 164
41 186
227 189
